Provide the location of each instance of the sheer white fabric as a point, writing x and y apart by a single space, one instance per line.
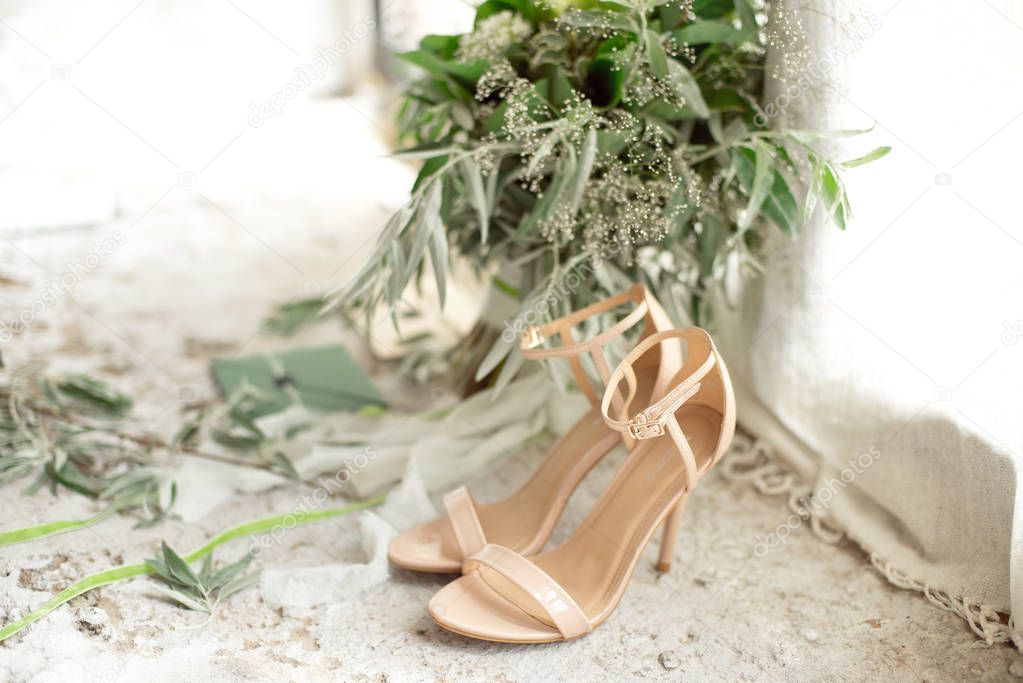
886 362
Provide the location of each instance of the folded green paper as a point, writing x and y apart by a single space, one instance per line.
325 378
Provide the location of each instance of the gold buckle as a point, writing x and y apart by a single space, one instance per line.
533 337
645 430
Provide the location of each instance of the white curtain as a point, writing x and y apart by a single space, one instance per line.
885 363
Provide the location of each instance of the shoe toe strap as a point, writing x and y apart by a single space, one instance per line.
530 589
465 521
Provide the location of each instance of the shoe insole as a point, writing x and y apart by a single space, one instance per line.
597 561
522 516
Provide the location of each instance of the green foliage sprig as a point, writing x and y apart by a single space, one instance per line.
203 590
622 141
76 434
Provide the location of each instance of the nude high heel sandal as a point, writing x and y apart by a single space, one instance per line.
524 520
568 591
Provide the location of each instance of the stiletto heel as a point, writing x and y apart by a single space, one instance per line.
566 592
525 520
672 526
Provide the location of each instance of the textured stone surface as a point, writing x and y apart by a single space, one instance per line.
804 611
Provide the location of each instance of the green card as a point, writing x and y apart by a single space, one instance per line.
323 378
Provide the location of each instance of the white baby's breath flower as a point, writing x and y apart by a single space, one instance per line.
492 37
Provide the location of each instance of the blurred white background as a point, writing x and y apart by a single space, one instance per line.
235 151
103 105
108 104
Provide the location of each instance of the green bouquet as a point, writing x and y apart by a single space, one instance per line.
585 146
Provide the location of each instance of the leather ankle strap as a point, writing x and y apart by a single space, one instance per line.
699 346
659 417
534 336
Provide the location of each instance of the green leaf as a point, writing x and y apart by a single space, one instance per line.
161 570
779 205
228 573
554 87
602 20
283 464
611 142
725 99
496 121
832 191
177 567
747 16
703 32
430 167
620 46
188 434
655 53
660 109
762 179
501 348
32 533
505 286
687 88
426 151
680 205
510 368
783 154
545 204
532 11
428 211
93 394
188 600
492 183
712 9
587 156
70 476
442 46
810 200
711 238
285 321
462 115
463 74
873 155
477 197
207 569
671 15
438 246
543 151
238 584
